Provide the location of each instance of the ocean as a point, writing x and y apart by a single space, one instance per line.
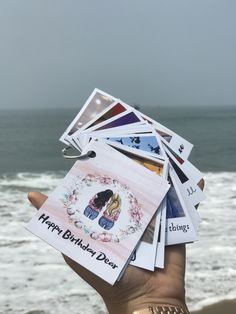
33 276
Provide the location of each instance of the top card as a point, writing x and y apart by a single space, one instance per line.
98 213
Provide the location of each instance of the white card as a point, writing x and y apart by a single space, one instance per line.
179 226
111 111
98 213
147 144
193 213
145 253
186 166
189 186
175 141
160 251
96 103
82 138
123 119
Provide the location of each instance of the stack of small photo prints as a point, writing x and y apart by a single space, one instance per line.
131 191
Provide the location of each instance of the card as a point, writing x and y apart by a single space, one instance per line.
95 104
145 253
121 119
99 211
190 202
186 166
148 143
189 186
175 142
82 138
160 251
158 166
179 226
113 110
124 129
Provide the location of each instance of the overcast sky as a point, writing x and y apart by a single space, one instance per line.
148 52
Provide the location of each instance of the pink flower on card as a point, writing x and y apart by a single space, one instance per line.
133 201
89 179
73 197
105 180
125 187
105 237
136 214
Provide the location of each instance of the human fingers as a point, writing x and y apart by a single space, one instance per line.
175 256
37 199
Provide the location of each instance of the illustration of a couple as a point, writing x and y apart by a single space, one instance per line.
107 198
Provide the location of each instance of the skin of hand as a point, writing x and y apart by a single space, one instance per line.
138 288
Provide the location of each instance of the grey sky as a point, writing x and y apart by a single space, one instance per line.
53 53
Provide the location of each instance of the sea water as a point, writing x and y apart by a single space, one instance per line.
33 276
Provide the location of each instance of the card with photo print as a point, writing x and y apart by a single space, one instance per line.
123 119
100 210
113 110
95 104
175 141
158 166
188 178
83 138
188 200
123 129
147 143
145 253
179 226
185 165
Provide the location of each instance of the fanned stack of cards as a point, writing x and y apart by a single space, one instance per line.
121 204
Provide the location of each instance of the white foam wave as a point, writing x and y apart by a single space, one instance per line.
46 180
213 300
210 275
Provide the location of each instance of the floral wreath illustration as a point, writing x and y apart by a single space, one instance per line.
73 192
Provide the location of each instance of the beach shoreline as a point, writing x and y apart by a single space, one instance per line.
226 306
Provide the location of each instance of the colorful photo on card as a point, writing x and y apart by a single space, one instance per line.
154 166
148 144
176 142
128 118
94 105
180 160
148 235
112 112
174 208
163 134
181 175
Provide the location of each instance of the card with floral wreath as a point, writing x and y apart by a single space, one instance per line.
99 211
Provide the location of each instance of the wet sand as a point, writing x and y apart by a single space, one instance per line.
227 307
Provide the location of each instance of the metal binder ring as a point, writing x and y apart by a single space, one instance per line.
89 154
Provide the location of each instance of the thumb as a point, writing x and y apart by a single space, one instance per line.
37 199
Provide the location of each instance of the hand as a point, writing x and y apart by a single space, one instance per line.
138 288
